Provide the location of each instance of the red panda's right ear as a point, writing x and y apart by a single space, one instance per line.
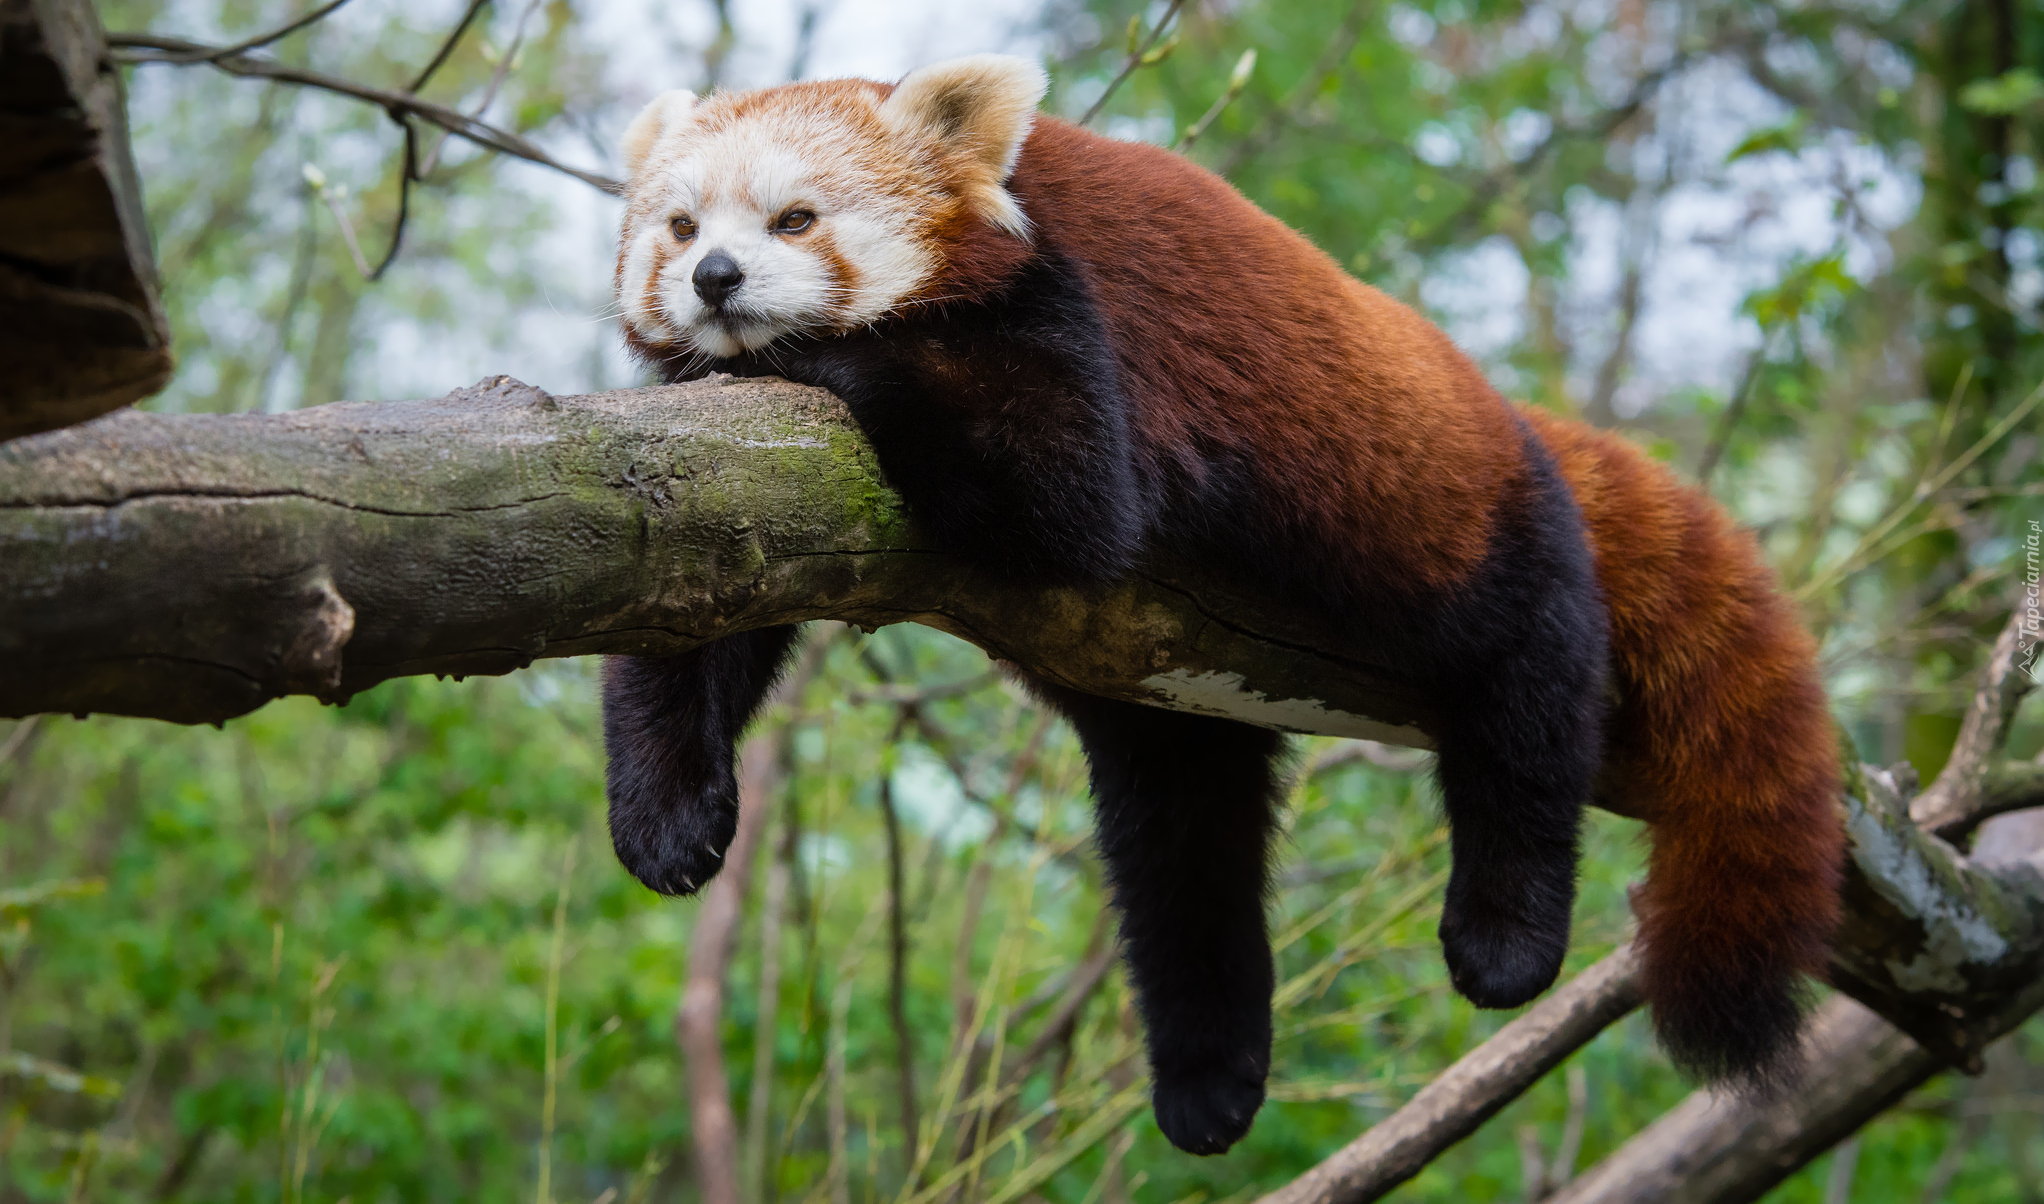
979 109
666 113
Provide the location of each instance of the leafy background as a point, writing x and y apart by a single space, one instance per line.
340 954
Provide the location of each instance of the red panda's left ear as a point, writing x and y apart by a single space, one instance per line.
979 109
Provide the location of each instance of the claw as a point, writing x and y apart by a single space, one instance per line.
712 852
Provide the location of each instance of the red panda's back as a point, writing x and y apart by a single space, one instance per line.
1236 336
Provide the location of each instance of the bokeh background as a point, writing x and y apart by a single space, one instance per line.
383 952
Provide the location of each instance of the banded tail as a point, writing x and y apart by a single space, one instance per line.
1722 741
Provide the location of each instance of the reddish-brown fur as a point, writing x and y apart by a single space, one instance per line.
1397 450
1721 740
1382 449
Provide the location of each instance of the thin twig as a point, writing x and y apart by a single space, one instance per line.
264 39
1134 60
1952 805
543 1194
1238 79
1310 85
497 77
453 39
408 173
149 48
1728 421
897 960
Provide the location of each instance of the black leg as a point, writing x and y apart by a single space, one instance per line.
671 725
1516 760
1187 808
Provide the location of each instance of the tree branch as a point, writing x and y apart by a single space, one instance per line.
698 1019
1954 804
1473 1089
149 48
340 546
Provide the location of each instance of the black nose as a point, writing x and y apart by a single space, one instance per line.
717 277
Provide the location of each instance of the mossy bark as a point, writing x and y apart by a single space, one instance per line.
192 567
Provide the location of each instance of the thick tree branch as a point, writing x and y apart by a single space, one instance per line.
1941 954
192 567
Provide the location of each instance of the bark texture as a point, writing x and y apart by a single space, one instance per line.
81 331
193 567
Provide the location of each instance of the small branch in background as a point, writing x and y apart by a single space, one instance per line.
1869 548
19 738
714 940
1384 756
1844 1163
1140 54
498 75
1960 798
897 957
1238 79
1310 85
264 39
1601 411
1728 421
1473 1089
408 172
1570 1151
543 1193
773 908
149 48
453 39
333 196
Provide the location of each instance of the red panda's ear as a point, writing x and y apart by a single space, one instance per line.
664 114
979 109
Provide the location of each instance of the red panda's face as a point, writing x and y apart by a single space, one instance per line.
811 208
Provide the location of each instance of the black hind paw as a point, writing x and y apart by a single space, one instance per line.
1206 1113
1501 961
673 858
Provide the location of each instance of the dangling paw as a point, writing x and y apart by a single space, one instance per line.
1205 1112
1498 958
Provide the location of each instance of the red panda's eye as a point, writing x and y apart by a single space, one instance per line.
794 221
684 227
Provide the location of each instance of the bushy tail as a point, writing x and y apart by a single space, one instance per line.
1721 741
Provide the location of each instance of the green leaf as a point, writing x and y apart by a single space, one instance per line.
1785 137
2010 93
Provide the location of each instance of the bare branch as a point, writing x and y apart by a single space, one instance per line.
1134 60
1721 1150
1473 1089
1954 803
264 39
897 959
712 1123
447 46
149 48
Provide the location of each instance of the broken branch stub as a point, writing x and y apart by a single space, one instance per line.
192 567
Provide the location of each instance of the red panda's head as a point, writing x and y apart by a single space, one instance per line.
813 207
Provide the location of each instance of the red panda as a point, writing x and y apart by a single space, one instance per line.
1067 350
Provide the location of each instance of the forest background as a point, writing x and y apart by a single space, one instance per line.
382 952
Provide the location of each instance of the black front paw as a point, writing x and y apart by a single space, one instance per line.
1500 957
668 853
1207 1110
